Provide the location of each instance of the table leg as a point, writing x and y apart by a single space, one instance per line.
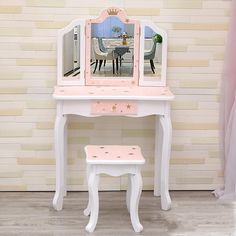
165 122
158 157
65 158
59 133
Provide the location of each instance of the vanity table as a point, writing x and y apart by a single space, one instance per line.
137 93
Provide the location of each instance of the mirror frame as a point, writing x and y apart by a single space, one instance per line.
127 81
163 33
79 79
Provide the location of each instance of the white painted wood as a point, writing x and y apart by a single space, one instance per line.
158 30
60 161
113 97
158 157
162 148
65 159
83 108
128 193
114 168
87 210
94 200
136 189
79 80
165 162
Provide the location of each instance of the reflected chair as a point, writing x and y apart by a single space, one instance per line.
150 55
101 56
102 47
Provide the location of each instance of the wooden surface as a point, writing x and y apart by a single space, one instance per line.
109 92
193 213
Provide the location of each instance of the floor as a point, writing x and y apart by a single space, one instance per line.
125 70
193 213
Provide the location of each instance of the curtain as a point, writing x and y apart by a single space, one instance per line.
228 191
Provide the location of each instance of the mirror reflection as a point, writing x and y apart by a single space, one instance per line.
71 53
152 53
112 48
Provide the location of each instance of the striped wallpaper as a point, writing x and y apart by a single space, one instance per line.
197 31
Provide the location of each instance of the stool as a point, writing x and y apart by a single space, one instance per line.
114 161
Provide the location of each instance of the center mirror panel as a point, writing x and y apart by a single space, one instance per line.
112 49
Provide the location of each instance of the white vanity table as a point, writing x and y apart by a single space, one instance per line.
137 95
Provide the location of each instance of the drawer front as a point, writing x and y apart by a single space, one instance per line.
113 107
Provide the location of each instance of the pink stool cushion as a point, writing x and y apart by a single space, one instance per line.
110 154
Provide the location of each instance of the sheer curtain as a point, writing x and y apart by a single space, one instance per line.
228 191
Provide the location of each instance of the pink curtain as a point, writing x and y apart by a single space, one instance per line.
228 191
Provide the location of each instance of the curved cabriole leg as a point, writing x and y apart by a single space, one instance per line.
65 159
166 147
93 201
88 210
136 189
158 157
59 133
128 193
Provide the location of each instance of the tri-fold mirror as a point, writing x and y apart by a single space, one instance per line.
112 50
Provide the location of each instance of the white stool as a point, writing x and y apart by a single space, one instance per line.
114 161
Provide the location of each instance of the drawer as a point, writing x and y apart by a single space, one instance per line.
113 107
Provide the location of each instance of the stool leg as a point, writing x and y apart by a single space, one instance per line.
93 202
128 193
88 210
136 189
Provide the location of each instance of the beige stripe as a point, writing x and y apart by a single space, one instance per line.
11 112
12 90
78 140
11 174
138 133
200 26
15 31
176 147
10 9
198 84
183 4
36 46
205 140
46 3
36 62
45 125
51 24
35 161
83 125
187 63
187 161
199 180
143 11
37 147
195 126
13 188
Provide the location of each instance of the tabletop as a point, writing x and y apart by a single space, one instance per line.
110 92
